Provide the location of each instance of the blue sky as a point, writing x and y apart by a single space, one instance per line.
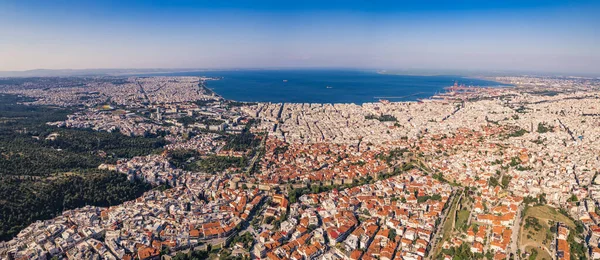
545 36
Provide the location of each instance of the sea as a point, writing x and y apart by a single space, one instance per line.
327 86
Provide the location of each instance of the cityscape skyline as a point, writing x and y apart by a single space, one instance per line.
541 36
300 130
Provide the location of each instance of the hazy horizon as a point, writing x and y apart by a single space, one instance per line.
536 36
406 72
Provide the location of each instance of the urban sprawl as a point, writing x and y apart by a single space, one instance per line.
496 173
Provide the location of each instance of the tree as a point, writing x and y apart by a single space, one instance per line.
269 219
544 128
164 251
542 199
493 182
392 235
489 255
505 181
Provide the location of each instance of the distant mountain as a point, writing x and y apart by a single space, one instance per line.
416 72
87 72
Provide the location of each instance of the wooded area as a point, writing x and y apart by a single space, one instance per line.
45 170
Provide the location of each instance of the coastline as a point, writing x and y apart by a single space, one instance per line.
330 87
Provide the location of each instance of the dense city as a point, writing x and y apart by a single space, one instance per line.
473 173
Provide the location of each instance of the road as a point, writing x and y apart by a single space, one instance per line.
514 240
258 154
436 234
143 91
451 114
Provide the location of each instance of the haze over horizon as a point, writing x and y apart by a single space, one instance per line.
544 36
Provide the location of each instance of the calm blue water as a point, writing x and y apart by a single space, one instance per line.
311 86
